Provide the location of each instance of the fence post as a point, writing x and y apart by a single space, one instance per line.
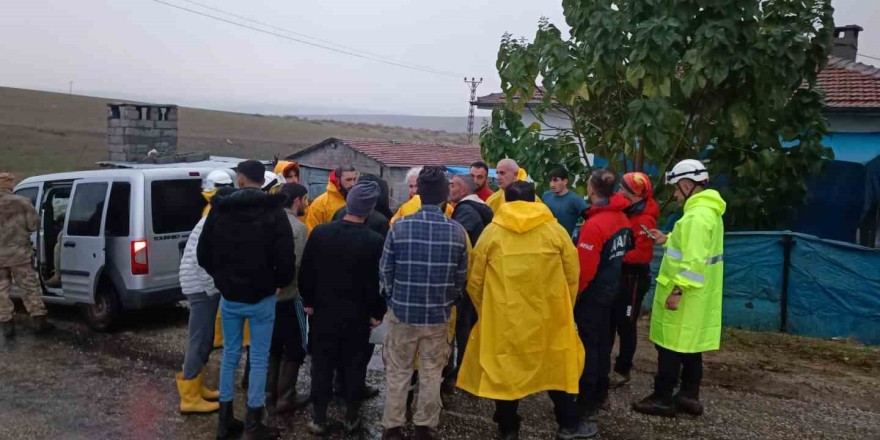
787 244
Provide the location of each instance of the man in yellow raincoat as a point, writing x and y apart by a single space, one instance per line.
414 203
524 283
686 315
338 184
508 171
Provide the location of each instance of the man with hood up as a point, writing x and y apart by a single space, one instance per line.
603 241
636 278
686 315
474 215
321 210
523 283
247 247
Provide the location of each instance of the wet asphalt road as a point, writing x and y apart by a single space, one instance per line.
77 384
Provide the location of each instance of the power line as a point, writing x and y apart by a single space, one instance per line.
869 56
326 44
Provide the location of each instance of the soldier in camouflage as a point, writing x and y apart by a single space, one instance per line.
18 220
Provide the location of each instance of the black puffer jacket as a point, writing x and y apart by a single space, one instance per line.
247 245
474 215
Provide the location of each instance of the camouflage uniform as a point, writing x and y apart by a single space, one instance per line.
18 219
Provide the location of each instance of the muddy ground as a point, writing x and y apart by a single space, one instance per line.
77 384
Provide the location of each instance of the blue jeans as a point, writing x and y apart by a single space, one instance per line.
262 319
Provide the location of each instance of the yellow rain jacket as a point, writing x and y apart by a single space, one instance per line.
523 282
497 198
322 209
694 261
412 206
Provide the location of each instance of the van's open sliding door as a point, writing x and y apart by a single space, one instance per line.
83 247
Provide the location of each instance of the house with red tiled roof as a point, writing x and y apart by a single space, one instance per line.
388 159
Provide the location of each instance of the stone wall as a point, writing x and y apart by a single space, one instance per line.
135 129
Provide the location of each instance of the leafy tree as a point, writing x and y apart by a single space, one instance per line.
655 81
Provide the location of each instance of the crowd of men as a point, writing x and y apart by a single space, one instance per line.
498 294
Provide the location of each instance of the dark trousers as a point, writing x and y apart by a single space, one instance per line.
287 336
337 347
594 327
563 406
634 284
670 365
465 320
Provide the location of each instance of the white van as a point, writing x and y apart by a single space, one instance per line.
122 233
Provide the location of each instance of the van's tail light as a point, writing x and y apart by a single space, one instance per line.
140 263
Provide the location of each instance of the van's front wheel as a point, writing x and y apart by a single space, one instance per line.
101 316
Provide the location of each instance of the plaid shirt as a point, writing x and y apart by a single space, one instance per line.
424 267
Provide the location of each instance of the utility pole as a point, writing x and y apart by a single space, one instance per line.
472 84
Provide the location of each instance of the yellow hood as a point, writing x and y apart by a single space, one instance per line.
522 216
522 175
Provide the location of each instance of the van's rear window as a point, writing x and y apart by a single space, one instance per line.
177 205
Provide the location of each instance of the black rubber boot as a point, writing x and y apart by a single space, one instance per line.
654 405
688 400
288 399
228 427
255 428
42 325
272 382
9 329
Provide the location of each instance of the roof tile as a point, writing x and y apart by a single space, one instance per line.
404 153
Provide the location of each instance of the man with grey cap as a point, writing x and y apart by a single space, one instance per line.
339 284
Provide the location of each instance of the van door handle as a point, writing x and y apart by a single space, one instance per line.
69 244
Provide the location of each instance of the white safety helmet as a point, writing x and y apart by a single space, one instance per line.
270 180
687 169
216 179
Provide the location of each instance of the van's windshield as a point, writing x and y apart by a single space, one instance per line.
177 205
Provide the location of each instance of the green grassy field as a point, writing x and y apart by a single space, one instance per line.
44 132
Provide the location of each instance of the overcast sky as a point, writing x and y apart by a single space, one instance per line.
140 49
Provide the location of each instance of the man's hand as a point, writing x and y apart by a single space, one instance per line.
660 238
375 323
308 310
672 301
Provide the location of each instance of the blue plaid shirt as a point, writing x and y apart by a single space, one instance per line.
424 267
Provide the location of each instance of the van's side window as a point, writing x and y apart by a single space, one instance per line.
118 210
29 193
86 210
177 205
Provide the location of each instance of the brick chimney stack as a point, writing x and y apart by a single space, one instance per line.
135 129
846 42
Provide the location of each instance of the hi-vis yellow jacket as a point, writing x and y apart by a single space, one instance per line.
412 206
523 283
694 261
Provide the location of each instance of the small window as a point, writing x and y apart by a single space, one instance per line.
29 193
118 210
86 210
176 205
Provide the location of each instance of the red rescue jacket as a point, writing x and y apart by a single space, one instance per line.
642 213
605 237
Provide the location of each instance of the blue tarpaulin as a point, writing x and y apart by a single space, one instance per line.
465 170
833 287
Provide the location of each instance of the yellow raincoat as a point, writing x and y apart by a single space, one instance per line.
523 282
322 209
412 206
497 198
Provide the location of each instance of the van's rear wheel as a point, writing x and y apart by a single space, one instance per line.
101 316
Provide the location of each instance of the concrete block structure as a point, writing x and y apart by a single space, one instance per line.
135 129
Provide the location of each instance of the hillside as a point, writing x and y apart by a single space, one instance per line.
42 132
452 124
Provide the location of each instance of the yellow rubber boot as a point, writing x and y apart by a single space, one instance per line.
190 400
205 392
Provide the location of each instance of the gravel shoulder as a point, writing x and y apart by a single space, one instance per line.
77 384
